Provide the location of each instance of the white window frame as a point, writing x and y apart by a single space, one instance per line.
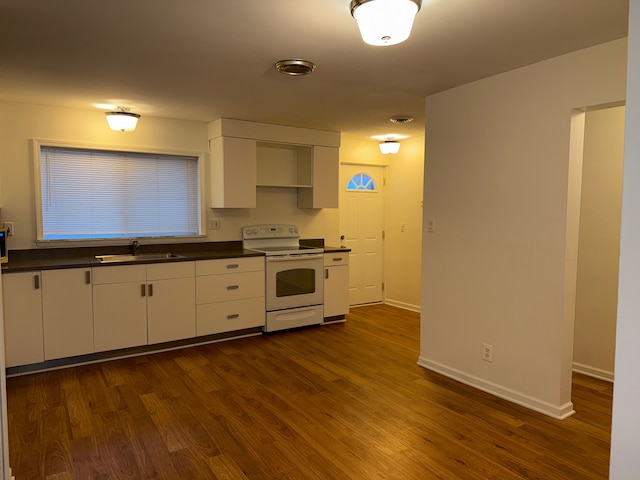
37 144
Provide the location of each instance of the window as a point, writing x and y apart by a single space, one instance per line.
361 181
101 194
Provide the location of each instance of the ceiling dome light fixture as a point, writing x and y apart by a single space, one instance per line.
122 120
385 22
389 147
295 67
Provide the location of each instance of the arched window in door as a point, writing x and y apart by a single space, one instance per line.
361 181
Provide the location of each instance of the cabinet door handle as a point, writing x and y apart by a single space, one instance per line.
36 282
326 273
87 277
233 265
143 290
233 287
233 315
151 289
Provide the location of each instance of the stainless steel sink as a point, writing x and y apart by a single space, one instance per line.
143 257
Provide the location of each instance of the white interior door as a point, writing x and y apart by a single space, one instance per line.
361 225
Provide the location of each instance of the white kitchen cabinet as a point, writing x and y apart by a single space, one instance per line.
336 285
246 155
233 172
24 343
171 301
143 304
67 312
325 165
229 295
119 307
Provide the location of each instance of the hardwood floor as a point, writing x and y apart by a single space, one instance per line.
344 401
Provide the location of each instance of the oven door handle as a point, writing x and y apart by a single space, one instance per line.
294 258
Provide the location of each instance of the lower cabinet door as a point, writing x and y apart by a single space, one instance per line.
24 342
67 312
229 316
119 316
171 309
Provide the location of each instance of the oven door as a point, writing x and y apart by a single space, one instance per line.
294 281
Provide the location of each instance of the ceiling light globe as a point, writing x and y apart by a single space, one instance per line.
389 147
122 121
385 22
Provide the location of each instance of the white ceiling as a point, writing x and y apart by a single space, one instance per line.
205 59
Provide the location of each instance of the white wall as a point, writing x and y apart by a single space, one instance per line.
599 243
501 266
625 435
19 123
402 250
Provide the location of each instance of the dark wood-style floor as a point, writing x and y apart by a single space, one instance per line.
344 401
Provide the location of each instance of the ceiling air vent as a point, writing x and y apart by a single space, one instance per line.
295 67
401 119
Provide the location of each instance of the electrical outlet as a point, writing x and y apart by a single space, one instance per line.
402 227
214 224
487 352
8 226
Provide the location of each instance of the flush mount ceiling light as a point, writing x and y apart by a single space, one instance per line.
389 147
385 22
122 120
295 67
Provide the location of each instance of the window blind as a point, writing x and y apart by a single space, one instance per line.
106 194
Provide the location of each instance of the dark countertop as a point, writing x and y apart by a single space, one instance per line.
328 249
84 257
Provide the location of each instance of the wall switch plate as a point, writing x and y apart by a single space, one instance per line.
487 352
8 226
431 225
214 224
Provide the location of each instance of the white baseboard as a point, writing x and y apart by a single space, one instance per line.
593 372
559 412
406 306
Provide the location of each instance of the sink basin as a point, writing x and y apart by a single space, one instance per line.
143 257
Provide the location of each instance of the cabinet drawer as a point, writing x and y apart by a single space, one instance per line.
229 265
119 274
222 288
229 316
337 258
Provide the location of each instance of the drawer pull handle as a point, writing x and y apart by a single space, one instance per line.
233 287
233 265
337 259
233 315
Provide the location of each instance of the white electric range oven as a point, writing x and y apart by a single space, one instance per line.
293 276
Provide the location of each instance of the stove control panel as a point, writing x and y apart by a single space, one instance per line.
270 231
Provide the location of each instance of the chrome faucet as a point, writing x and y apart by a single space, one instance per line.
134 247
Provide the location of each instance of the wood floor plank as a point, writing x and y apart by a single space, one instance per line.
345 401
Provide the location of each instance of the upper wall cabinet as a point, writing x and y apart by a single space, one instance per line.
324 170
233 172
246 155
